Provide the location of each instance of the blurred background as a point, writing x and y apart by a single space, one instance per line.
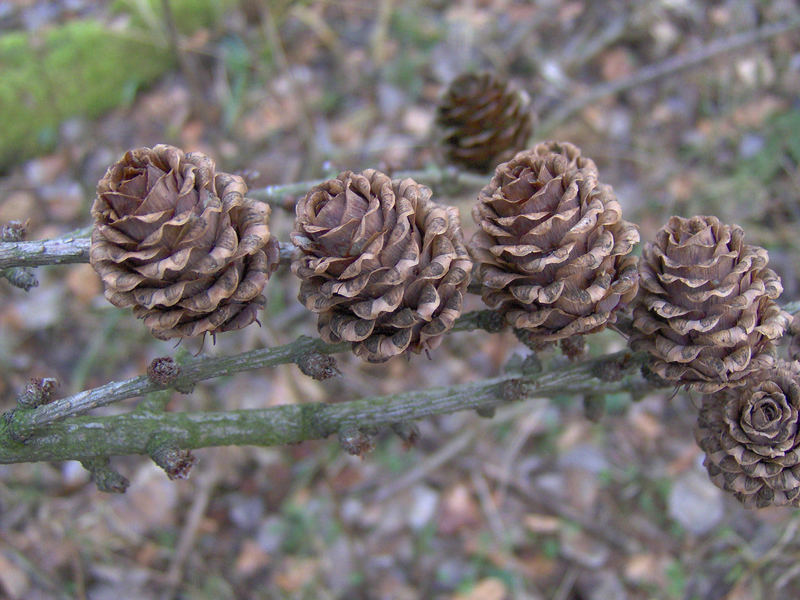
538 502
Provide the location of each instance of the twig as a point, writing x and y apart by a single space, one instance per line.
283 196
200 501
84 437
197 97
66 250
557 506
74 247
453 448
670 66
198 369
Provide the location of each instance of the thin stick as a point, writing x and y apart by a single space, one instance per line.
199 369
82 438
202 496
670 66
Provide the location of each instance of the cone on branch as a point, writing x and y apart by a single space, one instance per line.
575 159
484 121
751 440
706 312
552 249
180 244
383 265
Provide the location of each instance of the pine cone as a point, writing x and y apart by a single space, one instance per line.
706 312
180 243
552 248
575 160
484 121
383 265
751 439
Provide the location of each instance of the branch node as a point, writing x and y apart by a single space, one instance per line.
318 366
531 341
408 432
357 441
17 424
14 231
531 365
38 391
21 277
573 347
486 412
652 377
163 370
490 321
613 370
176 462
185 388
105 478
513 389
594 407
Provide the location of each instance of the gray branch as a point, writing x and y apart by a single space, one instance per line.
23 422
84 438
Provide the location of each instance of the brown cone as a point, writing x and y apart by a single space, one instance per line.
552 247
484 121
706 312
751 439
575 160
180 244
383 265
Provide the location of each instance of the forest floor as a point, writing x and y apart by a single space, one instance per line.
537 502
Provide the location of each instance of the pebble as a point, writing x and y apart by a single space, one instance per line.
695 503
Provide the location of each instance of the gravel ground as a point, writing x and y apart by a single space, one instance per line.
537 502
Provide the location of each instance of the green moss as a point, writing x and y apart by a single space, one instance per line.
78 69
82 69
189 15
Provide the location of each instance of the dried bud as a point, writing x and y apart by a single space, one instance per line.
751 438
484 121
513 389
163 370
38 391
573 347
486 412
21 277
491 321
357 441
180 243
706 313
105 478
594 407
530 340
317 365
383 265
14 231
552 250
614 370
176 462
408 432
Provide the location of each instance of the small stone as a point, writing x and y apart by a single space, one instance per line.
695 502
423 506
583 549
245 511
